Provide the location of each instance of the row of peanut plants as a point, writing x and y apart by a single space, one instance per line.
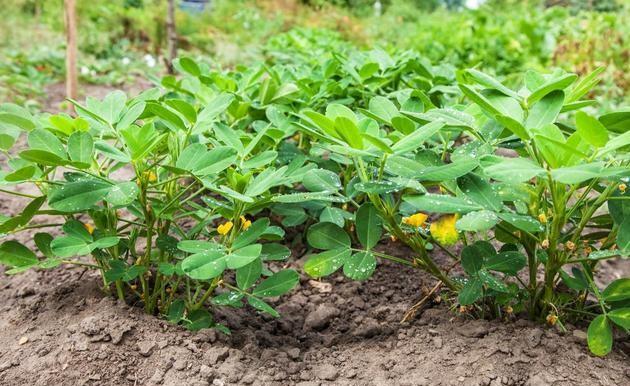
182 195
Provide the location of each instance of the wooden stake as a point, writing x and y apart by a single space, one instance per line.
72 78
171 35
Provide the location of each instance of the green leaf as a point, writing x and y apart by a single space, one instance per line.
577 174
251 234
360 266
81 147
550 85
105 242
17 121
471 292
131 115
477 221
334 215
326 263
617 121
27 214
522 222
513 125
111 152
43 157
383 108
599 336
243 256
14 254
78 195
513 170
69 246
335 110
545 111
205 265
43 240
490 82
198 160
509 262
141 140
451 117
439 203
260 305
416 139
623 238
277 284
176 311
473 256
620 317
122 194
617 290
42 139
321 180
21 174
446 172
492 281
199 319
199 246
349 132
216 106
480 191
578 282
591 130
480 99
273 252
368 225
325 235
247 275
189 65
265 180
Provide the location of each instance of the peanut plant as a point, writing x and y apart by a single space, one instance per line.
183 195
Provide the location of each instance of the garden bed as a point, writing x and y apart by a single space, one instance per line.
58 328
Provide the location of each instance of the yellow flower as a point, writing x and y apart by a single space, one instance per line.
552 319
415 220
224 228
245 223
570 245
542 218
150 176
622 188
89 228
443 230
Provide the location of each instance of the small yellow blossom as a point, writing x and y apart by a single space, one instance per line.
444 231
415 220
622 188
552 319
545 244
224 228
542 218
89 227
570 245
150 176
245 223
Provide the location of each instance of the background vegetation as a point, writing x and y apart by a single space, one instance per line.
123 38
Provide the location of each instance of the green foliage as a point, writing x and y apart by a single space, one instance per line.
182 195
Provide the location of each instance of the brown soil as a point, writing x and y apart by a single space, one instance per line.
57 328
